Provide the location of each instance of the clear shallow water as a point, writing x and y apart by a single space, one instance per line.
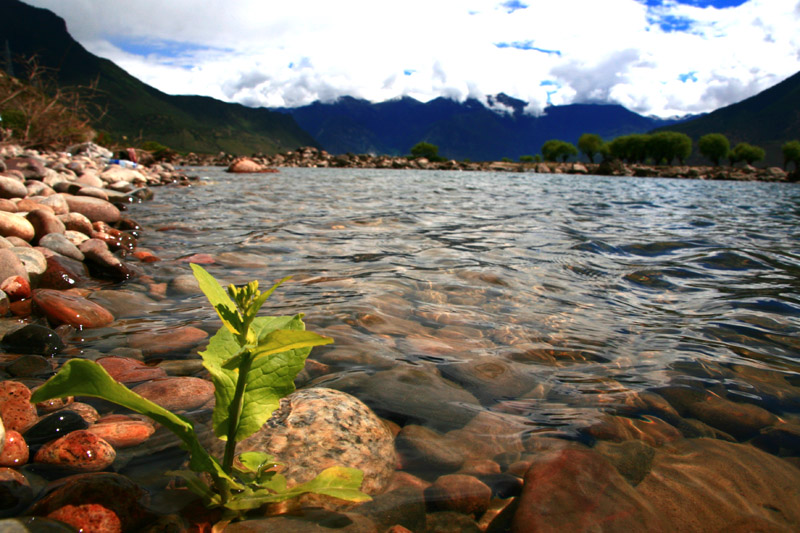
541 295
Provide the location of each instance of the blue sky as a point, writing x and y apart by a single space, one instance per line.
659 57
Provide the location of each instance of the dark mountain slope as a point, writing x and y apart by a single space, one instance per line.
137 110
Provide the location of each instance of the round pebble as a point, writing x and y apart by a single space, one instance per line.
127 370
177 393
80 450
66 308
15 450
33 339
16 409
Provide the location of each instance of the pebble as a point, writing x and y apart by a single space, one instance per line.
102 262
127 370
15 450
88 517
740 420
59 243
86 411
27 366
422 449
78 451
12 188
34 261
317 428
65 308
77 222
33 339
173 340
54 404
15 496
54 426
177 393
16 288
123 433
94 209
56 202
459 493
8 206
111 491
63 273
16 410
44 222
124 303
14 225
11 266
184 284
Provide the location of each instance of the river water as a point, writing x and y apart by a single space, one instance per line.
549 298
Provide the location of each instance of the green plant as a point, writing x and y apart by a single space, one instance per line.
791 154
427 150
526 159
555 149
747 152
590 144
253 362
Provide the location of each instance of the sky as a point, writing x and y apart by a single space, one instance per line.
655 57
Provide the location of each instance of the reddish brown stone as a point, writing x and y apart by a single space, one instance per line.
65 308
22 308
178 339
88 517
63 273
123 433
79 450
459 493
127 370
178 393
577 490
145 256
93 208
200 259
15 450
44 222
17 288
16 409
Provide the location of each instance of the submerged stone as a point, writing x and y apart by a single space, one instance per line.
67 308
33 339
79 451
54 426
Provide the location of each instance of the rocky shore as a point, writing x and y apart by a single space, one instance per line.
71 268
311 157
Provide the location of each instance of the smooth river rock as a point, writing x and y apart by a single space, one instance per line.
318 428
66 308
177 393
92 208
80 451
16 409
14 225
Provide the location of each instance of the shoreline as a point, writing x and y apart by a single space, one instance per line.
310 157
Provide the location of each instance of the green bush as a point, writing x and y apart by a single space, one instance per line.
714 146
590 144
427 150
555 149
791 154
747 153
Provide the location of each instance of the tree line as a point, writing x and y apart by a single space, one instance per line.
663 148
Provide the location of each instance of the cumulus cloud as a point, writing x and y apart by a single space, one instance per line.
275 54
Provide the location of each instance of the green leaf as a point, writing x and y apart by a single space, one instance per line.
79 377
284 339
255 461
219 299
269 379
337 481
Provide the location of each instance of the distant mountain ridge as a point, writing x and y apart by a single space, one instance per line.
137 110
768 119
461 130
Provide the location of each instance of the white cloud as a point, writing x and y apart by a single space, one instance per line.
292 53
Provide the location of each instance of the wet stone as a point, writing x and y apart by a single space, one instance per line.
173 340
54 404
77 222
177 393
15 450
16 410
490 379
78 451
54 426
127 370
124 303
111 491
15 495
86 411
123 433
184 284
66 308
741 420
33 339
424 449
27 366
459 493
103 263
88 517
318 428
63 273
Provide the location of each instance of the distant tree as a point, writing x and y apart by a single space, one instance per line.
714 146
747 152
526 159
427 150
665 146
791 154
507 160
590 144
629 148
554 149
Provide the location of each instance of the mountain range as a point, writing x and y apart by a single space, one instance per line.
462 130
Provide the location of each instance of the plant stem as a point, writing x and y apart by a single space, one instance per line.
235 411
